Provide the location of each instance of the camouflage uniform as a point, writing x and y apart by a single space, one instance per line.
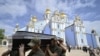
56 49
37 53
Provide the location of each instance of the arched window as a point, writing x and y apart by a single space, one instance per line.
58 32
4 43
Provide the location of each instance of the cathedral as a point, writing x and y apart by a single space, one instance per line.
57 23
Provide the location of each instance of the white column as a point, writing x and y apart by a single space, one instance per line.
32 29
98 40
53 28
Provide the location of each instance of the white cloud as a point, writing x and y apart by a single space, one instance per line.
19 7
41 5
88 3
68 5
89 15
13 7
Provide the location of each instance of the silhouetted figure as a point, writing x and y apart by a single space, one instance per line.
98 51
91 52
69 48
84 48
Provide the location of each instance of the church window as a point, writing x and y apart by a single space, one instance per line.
58 26
38 31
81 40
58 32
46 15
41 23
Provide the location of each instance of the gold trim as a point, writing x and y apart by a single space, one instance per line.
33 19
62 15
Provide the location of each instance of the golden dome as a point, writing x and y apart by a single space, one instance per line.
62 14
47 11
34 19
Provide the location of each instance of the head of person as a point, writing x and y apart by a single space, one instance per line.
53 41
61 40
34 43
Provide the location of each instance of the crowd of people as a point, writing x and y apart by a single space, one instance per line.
55 48
92 51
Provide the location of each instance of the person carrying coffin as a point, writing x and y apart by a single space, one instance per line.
35 45
53 49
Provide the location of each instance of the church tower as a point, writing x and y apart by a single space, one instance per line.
47 15
30 26
80 34
58 23
97 37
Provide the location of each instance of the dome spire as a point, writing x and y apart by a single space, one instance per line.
62 14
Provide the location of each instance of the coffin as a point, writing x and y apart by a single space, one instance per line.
24 37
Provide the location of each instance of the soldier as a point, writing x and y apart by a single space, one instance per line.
69 48
35 45
98 51
63 47
53 49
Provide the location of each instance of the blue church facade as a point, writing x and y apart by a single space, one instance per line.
91 40
71 39
70 36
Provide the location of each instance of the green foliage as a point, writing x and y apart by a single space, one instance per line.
2 33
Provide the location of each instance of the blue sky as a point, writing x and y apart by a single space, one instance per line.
20 11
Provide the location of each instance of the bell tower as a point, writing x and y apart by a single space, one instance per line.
58 23
47 15
97 37
80 33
